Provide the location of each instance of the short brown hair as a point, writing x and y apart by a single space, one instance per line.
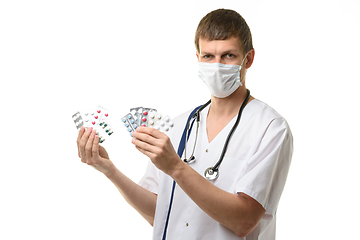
222 24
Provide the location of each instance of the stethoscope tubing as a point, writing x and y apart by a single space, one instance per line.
196 115
216 166
188 129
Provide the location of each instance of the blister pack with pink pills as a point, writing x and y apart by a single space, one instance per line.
147 117
97 118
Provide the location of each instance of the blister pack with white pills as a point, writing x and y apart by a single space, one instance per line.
162 123
97 118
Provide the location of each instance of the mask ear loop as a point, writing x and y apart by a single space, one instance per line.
241 66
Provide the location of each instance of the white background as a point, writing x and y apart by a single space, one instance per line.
57 57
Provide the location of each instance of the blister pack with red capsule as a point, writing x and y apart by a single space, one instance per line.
147 117
97 118
141 115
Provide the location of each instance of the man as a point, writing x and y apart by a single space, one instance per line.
174 196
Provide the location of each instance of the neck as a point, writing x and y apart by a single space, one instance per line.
229 106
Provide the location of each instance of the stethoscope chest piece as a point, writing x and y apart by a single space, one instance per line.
211 173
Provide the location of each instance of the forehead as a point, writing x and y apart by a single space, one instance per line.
218 46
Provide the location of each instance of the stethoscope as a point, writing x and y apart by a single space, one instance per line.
211 173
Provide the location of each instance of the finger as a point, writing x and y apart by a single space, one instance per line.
83 142
88 147
145 137
95 147
143 145
145 152
150 131
81 133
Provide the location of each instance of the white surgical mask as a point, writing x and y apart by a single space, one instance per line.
221 79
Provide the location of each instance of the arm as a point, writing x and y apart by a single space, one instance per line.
96 156
239 213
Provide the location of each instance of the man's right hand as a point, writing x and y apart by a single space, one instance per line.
92 153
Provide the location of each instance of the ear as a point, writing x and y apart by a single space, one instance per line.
197 55
249 58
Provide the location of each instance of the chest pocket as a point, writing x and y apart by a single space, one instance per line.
230 171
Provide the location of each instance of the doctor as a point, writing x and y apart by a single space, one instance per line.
242 202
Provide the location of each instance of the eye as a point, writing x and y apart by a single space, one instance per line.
229 55
207 56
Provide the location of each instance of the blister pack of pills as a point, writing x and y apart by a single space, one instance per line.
147 117
97 118
130 123
163 123
141 115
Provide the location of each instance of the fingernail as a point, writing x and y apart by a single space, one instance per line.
138 129
93 133
133 140
88 129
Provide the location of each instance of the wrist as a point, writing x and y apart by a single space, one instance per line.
178 170
111 172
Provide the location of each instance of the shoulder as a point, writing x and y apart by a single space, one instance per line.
262 117
263 110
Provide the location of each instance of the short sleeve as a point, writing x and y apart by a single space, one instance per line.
150 180
266 171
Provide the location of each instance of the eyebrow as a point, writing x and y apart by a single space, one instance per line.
233 50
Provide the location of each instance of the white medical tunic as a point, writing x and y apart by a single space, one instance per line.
256 163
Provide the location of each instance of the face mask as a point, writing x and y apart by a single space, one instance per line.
221 79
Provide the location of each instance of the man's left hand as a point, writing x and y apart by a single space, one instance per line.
158 147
